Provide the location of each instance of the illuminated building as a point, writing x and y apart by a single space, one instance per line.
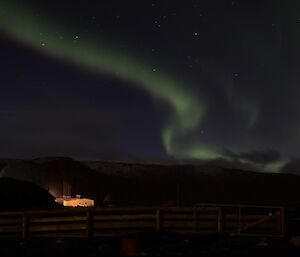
75 202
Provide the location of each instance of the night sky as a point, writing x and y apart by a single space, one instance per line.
200 81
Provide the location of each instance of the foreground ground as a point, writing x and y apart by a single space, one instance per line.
163 246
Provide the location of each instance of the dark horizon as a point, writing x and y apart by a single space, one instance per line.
289 168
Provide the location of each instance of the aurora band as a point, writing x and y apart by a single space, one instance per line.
99 56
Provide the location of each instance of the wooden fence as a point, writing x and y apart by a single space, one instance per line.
110 222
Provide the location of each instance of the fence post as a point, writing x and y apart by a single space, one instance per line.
159 221
89 224
25 226
221 220
280 221
240 220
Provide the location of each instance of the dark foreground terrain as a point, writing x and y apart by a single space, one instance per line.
154 184
163 246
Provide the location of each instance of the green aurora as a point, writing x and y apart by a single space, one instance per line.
99 56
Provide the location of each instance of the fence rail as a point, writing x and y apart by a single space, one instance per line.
107 222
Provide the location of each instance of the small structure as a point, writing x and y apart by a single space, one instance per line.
75 202
108 201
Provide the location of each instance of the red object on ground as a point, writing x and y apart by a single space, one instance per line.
131 246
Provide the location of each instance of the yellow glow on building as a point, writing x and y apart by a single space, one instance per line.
75 202
79 202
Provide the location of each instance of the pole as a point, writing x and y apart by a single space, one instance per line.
25 226
89 225
159 221
240 217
